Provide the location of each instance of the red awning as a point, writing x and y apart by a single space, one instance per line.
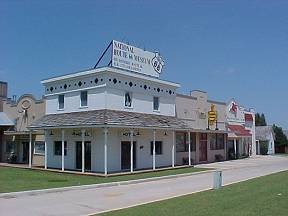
239 130
248 117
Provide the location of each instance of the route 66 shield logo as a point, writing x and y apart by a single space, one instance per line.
157 63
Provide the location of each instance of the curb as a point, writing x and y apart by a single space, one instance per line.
92 186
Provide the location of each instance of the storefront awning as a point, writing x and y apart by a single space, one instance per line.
108 118
239 130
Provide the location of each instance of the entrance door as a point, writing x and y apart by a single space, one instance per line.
125 155
203 147
25 153
87 155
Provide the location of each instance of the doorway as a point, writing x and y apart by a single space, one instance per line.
87 155
25 153
125 155
203 147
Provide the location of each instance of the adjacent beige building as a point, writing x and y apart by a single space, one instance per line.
22 113
208 140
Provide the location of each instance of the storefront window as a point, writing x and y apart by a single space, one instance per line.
216 141
58 148
158 147
39 147
10 146
182 144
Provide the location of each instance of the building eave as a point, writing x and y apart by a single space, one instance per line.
109 69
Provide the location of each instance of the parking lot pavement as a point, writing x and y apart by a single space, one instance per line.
96 200
247 162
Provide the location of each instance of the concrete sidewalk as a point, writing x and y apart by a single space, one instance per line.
95 200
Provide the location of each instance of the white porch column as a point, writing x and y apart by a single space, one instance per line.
189 148
235 148
131 150
83 150
30 149
46 153
154 140
105 150
63 147
173 149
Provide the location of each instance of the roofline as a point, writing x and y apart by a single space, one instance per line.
185 96
127 126
109 69
195 98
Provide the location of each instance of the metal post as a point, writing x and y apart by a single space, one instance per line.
30 149
63 146
131 150
105 150
189 147
83 150
235 148
46 153
173 149
217 179
154 140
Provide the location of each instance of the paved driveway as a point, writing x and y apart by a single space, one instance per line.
95 200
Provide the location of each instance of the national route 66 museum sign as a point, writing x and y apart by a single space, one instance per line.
134 59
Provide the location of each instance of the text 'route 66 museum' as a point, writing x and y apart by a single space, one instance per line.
123 117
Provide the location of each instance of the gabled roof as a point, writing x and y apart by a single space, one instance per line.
4 120
263 132
104 117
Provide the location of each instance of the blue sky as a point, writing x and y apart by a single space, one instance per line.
231 49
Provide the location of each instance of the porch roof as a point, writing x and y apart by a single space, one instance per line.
239 131
109 118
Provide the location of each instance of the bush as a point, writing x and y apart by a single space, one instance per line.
219 157
263 147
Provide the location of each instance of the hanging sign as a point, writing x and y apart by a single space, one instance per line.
134 59
212 115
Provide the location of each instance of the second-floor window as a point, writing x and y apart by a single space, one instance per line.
155 103
61 101
83 99
128 99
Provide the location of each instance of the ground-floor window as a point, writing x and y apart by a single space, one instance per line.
158 147
216 141
10 146
39 147
182 144
58 148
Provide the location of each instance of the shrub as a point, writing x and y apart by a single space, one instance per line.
263 147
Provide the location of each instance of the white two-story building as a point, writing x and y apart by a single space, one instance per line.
108 119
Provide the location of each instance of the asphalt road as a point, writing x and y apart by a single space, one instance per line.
95 200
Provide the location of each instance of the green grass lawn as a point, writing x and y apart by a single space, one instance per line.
16 179
263 196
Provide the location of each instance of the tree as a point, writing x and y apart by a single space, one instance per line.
280 138
263 120
260 119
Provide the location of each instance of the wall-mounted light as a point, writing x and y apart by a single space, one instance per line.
51 133
165 133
